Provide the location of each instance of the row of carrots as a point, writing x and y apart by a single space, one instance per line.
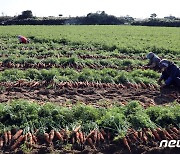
11 141
41 65
150 136
93 139
70 84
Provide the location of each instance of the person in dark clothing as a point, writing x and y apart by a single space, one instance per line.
170 73
154 61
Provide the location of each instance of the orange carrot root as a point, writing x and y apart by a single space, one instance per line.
18 133
9 136
19 140
81 137
77 129
59 136
30 139
1 142
5 137
51 135
77 137
90 142
126 144
34 138
46 137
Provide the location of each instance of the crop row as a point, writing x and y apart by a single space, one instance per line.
23 122
74 62
105 75
57 50
12 139
36 84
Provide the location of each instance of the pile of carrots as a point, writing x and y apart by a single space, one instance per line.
148 136
71 84
94 138
9 140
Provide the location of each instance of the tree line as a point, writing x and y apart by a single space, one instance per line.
98 18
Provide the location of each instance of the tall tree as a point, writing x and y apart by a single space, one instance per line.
153 15
26 14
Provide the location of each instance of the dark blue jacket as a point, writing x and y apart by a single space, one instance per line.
170 74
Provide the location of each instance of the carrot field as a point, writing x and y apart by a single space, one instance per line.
84 89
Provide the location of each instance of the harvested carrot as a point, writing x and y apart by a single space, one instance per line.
163 135
35 84
98 137
159 129
103 132
128 139
101 137
95 136
126 143
167 134
9 136
149 133
135 134
145 139
51 135
19 140
89 140
63 132
77 129
46 137
34 138
134 137
143 85
5 137
77 137
175 130
1 142
59 136
81 137
36 130
30 139
172 133
18 133
90 134
174 136
26 137
156 135
140 134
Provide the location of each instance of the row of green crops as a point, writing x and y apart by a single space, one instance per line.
74 60
105 75
22 114
126 39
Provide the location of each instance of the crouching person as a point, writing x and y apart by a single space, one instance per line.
23 39
154 61
170 74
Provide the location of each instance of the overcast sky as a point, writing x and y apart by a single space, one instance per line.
73 8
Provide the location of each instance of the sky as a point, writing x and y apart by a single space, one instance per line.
73 8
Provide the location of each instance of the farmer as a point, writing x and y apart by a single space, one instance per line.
153 61
23 39
170 73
